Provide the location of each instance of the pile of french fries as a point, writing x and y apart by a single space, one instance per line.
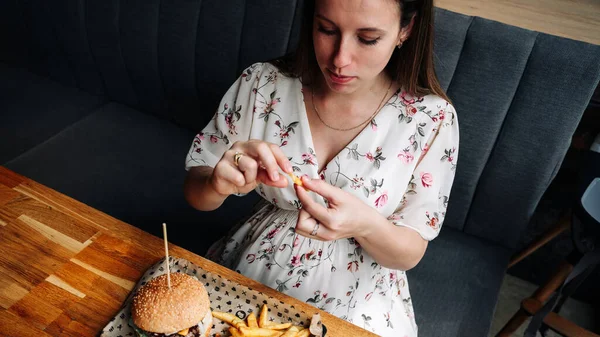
260 328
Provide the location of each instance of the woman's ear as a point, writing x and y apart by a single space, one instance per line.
406 30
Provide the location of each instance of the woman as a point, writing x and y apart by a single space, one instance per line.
358 113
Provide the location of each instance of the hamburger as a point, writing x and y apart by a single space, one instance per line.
182 311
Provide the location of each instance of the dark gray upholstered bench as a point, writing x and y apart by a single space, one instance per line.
100 99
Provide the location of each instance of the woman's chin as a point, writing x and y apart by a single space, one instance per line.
341 88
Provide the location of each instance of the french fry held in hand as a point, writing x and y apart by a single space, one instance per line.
297 180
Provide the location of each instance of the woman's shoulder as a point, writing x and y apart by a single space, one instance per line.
265 71
423 101
430 109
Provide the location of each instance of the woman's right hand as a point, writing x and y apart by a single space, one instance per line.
259 163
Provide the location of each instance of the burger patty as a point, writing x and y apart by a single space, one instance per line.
193 332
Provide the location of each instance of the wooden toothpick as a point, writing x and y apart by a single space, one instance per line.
167 254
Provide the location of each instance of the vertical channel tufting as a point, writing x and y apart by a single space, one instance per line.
164 111
102 19
178 22
240 39
95 65
293 37
195 69
449 40
138 27
69 25
493 53
481 187
216 54
25 40
277 27
11 32
133 98
535 136
26 34
63 70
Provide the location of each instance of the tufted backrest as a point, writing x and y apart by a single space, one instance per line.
171 58
519 94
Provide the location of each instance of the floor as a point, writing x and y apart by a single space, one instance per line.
574 19
515 289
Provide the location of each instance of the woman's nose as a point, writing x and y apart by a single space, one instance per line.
343 55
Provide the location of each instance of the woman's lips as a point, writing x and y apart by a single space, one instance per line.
340 79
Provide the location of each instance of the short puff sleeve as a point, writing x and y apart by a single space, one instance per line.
424 204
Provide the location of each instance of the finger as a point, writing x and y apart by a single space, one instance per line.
248 166
263 177
306 225
281 158
268 161
323 233
322 188
229 174
316 210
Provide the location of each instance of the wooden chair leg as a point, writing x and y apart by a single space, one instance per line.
563 224
541 295
513 324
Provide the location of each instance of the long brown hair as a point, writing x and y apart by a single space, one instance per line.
411 65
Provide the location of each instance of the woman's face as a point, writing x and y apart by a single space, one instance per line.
354 40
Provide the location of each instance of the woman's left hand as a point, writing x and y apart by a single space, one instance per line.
347 216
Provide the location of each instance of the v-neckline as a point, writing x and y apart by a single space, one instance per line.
310 139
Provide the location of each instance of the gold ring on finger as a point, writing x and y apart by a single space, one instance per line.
236 158
315 230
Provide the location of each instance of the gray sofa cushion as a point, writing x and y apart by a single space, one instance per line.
455 287
33 109
130 165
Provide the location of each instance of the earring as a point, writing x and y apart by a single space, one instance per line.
399 45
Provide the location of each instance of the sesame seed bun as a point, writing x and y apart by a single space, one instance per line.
158 309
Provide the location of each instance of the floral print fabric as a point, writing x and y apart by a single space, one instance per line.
401 164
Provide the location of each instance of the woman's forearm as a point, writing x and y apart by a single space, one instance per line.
198 191
392 246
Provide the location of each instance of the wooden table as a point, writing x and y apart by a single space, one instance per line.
574 19
54 256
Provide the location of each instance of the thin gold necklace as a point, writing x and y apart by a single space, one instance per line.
354 127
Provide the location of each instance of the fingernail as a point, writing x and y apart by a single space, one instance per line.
289 168
274 176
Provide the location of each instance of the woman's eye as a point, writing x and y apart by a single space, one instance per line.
326 31
369 42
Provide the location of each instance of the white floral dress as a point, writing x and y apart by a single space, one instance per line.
402 164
